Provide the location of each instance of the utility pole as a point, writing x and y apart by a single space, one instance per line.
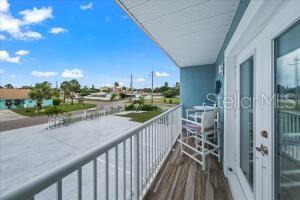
131 88
152 74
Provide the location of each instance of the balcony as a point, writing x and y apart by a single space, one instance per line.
143 163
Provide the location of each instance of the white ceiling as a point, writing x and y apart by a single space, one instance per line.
191 32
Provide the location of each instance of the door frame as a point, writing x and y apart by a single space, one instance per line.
261 23
241 58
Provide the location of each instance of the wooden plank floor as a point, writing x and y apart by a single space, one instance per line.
181 178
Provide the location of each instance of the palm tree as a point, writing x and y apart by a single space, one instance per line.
65 86
73 87
39 92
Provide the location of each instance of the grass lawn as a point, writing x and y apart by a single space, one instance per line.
174 100
142 117
67 107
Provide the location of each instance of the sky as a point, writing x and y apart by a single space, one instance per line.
92 41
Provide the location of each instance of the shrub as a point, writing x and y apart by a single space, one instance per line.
130 107
170 93
122 95
148 107
170 101
53 110
56 102
113 97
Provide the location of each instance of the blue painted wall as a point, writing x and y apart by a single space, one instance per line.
237 18
195 83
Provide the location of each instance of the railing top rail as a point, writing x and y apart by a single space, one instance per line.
50 177
297 113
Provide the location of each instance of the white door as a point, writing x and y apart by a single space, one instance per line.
248 162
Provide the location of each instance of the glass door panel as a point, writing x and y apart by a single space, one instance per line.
246 120
287 114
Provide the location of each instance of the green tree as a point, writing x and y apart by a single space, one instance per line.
113 97
65 87
116 84
9 86
56 93
73 87
170 93
39 92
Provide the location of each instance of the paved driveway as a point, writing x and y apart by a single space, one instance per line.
28 152
7 115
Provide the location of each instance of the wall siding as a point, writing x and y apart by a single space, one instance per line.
237 18
195 83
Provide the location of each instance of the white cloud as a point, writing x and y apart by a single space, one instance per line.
107 18
22 52
20 28
1 71
31 35
5 57
161 74
9 24
2 37
72 73
43 74
57 30
36 15
140 80
12 76
86 6
4 6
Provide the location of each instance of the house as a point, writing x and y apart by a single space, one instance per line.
117 90
14 98
238 54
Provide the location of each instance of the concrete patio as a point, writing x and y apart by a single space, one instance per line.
28 152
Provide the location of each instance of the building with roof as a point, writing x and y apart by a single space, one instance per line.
14 98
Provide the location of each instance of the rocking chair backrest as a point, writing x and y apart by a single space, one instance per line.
208 119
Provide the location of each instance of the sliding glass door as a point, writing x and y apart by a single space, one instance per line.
287 114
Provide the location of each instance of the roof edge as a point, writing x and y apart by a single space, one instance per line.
145 30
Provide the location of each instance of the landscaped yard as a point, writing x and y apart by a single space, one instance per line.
142 117
66 107
174 100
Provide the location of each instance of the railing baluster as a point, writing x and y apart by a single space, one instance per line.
79 183
116 173
59 190
142 157
131 163
146 155
124 170
152 149
106 176
95 178
136 167
148 149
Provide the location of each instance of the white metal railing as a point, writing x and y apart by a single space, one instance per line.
290 130
135 157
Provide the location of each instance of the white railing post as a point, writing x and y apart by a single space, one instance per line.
136 166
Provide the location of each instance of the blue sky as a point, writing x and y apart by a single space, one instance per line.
92 41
